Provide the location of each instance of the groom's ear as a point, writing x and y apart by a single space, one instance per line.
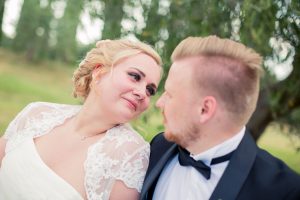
207 108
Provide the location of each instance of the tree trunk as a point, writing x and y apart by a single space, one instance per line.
287 94
2 4
261 117
113 15
25 31
66 47
150 33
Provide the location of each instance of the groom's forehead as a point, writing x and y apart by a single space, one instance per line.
183 68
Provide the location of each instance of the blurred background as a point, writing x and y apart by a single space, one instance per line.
43 41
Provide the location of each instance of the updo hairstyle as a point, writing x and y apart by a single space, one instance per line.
105 55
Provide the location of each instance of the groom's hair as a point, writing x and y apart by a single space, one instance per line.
227 69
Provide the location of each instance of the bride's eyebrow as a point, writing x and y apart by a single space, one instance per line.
142 73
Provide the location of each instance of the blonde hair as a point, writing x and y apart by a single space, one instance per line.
231 73
107 53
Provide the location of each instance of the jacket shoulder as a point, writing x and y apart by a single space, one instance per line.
271 178
158 146
159 143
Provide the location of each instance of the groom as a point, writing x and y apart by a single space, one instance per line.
206 152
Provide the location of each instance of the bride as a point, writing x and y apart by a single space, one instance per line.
58 151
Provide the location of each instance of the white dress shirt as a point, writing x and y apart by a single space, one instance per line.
186 183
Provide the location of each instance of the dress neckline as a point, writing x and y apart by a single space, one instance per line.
51 171
67 116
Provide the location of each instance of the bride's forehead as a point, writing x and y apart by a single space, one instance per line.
141 62
137 59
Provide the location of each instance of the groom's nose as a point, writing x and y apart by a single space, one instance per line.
161 101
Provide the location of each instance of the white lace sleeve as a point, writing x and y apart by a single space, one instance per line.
36 119
122 154
18 122
133 169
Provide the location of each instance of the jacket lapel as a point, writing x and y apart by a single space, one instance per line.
155 172
237 170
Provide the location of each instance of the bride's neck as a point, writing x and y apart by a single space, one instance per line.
90 121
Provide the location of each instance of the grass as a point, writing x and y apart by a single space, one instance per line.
22 82
282 146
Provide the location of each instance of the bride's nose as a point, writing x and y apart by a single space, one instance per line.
139 93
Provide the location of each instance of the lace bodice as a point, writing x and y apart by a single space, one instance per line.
122 154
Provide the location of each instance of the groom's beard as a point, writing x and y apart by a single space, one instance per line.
184 136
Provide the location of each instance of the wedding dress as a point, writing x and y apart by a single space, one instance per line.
122 154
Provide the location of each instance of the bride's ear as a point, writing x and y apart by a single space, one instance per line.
96 73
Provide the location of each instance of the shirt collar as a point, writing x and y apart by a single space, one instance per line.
221 149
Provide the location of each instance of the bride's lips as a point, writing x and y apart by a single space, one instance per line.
131 103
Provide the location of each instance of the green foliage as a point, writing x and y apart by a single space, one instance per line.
33 30
2 3
258 24
25 31
66 46
166 27
113 15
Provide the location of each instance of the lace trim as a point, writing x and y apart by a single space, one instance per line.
122 154
133 173
38 125
103 169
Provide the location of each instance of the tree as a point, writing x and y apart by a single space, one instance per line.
66 47
256 23
2 5
154 23
33 29
25 31
41 49
113 15
278 100
173 24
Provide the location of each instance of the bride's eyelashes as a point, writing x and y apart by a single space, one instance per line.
135 76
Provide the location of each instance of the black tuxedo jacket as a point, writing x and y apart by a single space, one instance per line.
252 173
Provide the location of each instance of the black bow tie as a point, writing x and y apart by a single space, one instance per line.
186 160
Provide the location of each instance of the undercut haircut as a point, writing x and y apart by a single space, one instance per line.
228 70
